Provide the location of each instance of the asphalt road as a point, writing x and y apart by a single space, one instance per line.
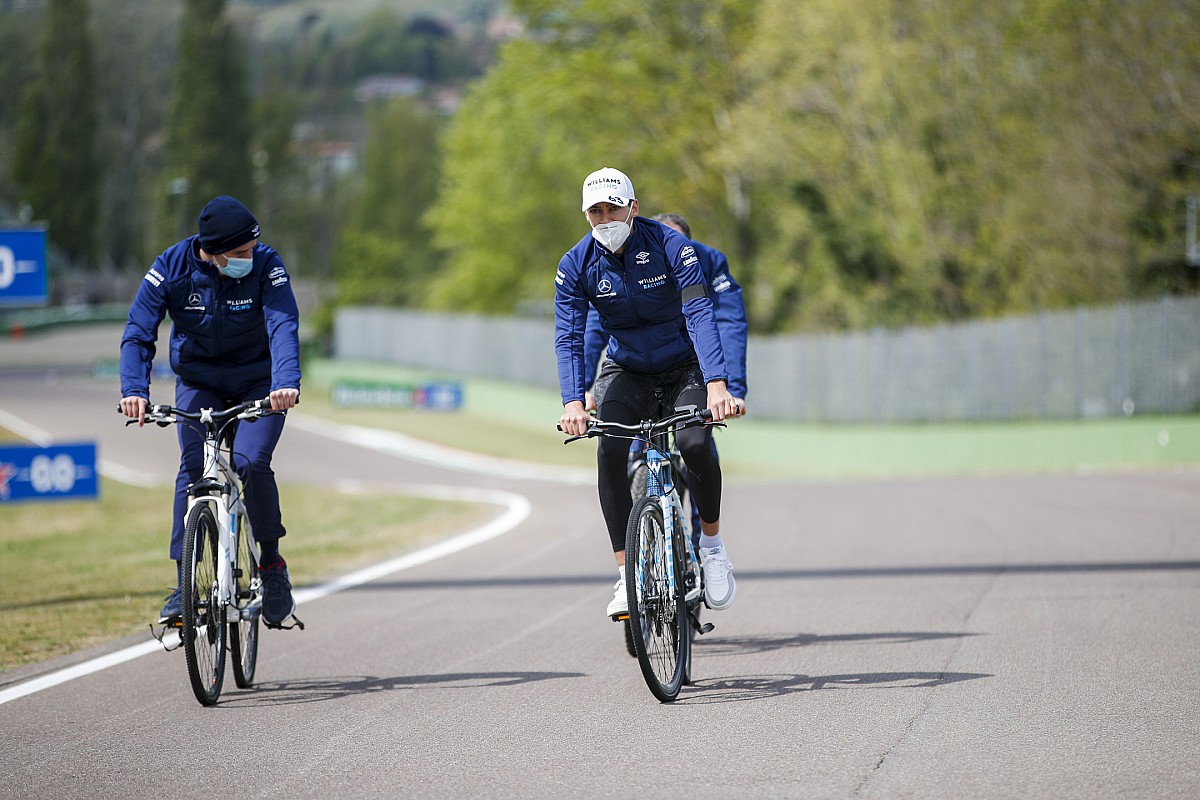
1004 637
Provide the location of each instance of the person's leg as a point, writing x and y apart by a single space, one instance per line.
620 397
191 455
696 527
704 482
191 466
254 445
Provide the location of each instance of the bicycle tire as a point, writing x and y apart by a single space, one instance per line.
203 618
243 632
637 483
691 610
629 638
657 616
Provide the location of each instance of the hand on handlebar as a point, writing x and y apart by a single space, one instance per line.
720 401
283 399
574 420
134 408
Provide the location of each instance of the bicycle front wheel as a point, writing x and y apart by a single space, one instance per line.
657 617
203 615
243 631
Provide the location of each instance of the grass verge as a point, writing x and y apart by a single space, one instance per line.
518 422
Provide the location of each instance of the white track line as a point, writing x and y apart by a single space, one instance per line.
517 508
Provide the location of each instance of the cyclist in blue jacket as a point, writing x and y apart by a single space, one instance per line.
645 282
234 338
729 309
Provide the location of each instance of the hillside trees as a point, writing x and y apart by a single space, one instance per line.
870 163
382 255
54 155
209 121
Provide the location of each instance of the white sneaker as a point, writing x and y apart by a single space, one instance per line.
619 605
719 585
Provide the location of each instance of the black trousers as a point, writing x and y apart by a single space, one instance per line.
629 397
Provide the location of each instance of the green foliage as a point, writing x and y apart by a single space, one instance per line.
383 255
880 163
208 127
596 84
54 160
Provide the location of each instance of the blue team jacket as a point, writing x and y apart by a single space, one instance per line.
651 301
228 335
729 308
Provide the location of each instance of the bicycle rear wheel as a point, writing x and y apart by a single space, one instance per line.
657 617
203 616
243 631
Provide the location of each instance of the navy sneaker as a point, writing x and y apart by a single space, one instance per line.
277 603
174 607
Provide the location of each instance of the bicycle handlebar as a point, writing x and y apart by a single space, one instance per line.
163 415
688 417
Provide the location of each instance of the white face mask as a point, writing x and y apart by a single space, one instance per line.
613 234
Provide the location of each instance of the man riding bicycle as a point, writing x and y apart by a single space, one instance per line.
234 338
645 282
729 309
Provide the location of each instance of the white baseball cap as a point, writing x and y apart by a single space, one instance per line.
607 185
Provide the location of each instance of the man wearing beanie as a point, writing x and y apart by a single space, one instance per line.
234 338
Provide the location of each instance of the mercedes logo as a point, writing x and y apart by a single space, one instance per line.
605 286
194 299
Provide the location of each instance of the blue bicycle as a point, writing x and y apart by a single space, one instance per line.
664 581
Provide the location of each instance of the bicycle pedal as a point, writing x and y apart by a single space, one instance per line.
620 617
279 626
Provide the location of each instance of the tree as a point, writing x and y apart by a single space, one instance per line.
644 86
384 255
54 159
209 121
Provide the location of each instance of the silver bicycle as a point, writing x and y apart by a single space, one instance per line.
221 588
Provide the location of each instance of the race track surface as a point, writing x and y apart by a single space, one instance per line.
1002 637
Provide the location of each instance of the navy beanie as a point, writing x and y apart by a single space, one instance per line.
225 224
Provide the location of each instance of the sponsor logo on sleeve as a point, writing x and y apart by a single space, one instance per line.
155 277
721 283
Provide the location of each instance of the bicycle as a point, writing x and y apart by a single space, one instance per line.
664 582
221 588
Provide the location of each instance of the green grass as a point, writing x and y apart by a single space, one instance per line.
81 573
518 422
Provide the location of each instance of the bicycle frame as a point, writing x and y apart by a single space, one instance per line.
221 487
660 483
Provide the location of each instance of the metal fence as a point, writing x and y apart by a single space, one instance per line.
1137 358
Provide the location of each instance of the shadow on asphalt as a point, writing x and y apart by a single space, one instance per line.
804 574
758 687
720 645
322 689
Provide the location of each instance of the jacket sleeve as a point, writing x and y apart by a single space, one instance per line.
594 342
282 318
139 341
697 307
570 322
730 310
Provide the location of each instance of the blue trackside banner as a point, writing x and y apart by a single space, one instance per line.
56 472
23 268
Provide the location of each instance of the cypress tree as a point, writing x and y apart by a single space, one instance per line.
54 156
208 125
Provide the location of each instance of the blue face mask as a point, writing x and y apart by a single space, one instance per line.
236 267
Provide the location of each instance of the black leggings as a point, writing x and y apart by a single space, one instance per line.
628 397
